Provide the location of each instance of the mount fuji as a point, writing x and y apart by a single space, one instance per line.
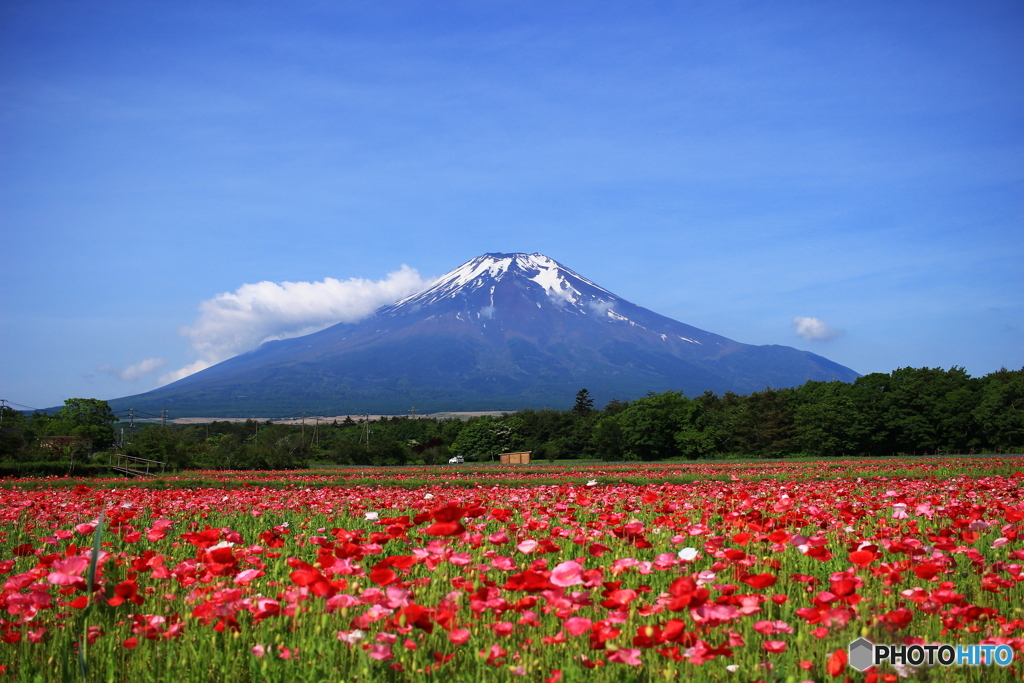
500 332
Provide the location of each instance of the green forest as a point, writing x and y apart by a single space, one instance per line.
910 411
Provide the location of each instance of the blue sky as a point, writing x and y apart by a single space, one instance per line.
732 165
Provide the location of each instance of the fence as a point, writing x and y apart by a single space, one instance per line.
133 467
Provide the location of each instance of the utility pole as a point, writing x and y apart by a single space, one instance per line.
131 430
165 416
303 426
366 422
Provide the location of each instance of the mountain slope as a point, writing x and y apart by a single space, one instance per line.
500 332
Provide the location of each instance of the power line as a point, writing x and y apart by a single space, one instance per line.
20 405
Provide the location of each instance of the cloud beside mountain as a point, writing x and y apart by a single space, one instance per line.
235 322
814 329
135 372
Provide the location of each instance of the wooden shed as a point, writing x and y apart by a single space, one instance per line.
522 458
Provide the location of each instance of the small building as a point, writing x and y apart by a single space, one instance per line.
521 458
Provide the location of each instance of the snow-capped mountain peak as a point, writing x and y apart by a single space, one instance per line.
562 285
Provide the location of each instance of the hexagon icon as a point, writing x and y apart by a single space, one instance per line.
862 654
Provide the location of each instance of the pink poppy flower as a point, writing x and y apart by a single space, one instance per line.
380 651
577 626
626 655
458 636
67 572
568 573
246 576
503 628
527 546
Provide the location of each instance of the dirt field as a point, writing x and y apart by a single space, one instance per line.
339 418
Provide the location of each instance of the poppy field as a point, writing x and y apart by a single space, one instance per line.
713 573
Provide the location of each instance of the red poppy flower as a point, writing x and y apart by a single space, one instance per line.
836 665
452 528
760 581
382 576
862 558
449 513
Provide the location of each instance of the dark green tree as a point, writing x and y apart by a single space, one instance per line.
609 438
175 447
485 437
584 404
648 429
928 409
826 422
13 428
870 395
764 425
85 417
717 418
1000 410
615 406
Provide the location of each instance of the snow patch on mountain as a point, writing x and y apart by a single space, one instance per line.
615 316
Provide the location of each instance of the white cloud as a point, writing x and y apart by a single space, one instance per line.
135 372
814 329
233 323
190 369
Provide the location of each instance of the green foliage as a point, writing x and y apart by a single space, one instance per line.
175 447
53 469
383 452
924 410
485 437
655 427
86 417
764 425
615 406
826 425
12 440
908 411
584 404
1000 410
718 419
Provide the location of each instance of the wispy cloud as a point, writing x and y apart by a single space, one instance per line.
233 323
135 372
815 329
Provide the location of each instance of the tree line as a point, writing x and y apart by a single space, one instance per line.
911 411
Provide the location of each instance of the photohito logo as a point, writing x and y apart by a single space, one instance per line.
863 654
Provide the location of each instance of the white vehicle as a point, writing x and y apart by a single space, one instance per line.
457 460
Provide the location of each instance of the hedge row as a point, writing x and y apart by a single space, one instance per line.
52 469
